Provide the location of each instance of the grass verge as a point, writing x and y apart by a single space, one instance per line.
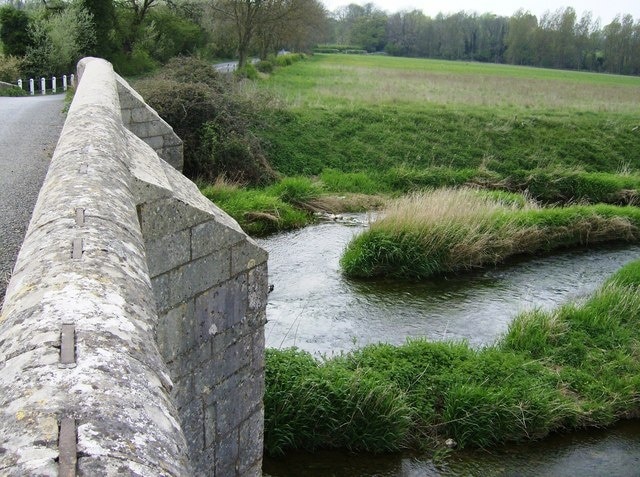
288 204
451 230
571 368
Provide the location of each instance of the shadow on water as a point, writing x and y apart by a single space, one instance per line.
614 452
314 308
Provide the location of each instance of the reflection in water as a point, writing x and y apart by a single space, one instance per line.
614 452
315 308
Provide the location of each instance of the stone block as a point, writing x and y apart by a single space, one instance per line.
251 441
229 412
155 142
143 130
258 282
143 115
192 416
171 139
172 155
166 216
126 116
222 307
247 255
212 236
174 334
257 350
227 454
168 252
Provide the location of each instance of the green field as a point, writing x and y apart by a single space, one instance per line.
326 81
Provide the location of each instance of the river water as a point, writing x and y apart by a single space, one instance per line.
316 309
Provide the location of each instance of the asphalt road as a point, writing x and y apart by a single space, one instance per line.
29 131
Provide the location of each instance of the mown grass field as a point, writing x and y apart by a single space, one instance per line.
354 80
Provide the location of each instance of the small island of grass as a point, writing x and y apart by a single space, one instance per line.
452 230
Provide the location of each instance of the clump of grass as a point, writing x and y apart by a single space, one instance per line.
296 190
12 91
450 230
258 211
566 369
311 406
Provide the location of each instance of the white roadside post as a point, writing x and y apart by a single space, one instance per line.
20 83
73 80
64 82
43 85
53 85
32 87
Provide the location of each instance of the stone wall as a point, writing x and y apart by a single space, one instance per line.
131 337
145 123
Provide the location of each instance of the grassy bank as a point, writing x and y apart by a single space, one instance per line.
290 203
450 230
571 368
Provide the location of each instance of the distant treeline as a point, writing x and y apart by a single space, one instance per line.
557 39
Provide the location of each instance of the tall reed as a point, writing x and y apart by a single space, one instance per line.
450 230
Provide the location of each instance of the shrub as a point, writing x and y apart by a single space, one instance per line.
212 118
189 69
248 71
135 63
264 66
10 68
12 91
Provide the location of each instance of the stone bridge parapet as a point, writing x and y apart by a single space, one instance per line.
131 336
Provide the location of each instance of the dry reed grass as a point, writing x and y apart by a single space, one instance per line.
448 230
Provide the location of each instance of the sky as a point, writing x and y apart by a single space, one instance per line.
606 10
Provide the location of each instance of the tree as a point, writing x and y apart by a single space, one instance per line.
249 18
14 31
59 41
134 13
302 27
103 15
519 42
621 45
369 30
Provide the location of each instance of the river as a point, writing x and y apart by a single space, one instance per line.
316 309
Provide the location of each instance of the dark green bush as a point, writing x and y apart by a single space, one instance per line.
248 71
213 120
174 34
134 63
264 66
12 91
